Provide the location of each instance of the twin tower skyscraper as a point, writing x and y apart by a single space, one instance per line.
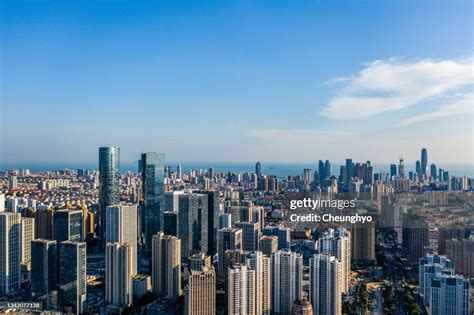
151 166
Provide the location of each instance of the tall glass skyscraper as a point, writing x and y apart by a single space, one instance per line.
152 166
424 161
109 176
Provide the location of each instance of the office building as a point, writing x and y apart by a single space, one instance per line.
424 162
227 239
212 219
250 235
152 174
166 266
43 267
10 252
170 223
109 180
44 224
192 223
68 225
363 241
72 275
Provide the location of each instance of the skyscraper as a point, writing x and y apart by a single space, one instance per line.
10 252
43 267
250 235
261 264
241 290
121 227
349 172
321 171
44 224
401 169
327 168
153 174
287 284
363 241
424 162
192 223
337 243
68 225
72 275
433 172
212 219
393 171
325 284
27 235
200 293
227 238
429 267
166 263
449 295
118 274
258 170
109 179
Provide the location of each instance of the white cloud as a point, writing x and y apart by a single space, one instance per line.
463 106
393 85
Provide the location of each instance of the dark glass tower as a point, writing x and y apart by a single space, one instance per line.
258 170
152 167
109 177
424 161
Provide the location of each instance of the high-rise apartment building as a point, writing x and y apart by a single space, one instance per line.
449 295
429 267
241 290
287 280
166 266
326 280
337 243
121 227
118 274
27 235
200 293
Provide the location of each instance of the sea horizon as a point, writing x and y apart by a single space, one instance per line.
280 169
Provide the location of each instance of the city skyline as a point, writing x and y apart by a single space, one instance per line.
202 81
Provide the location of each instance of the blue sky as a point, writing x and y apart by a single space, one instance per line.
292 81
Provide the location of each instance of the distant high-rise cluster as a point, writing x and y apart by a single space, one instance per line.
200 241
